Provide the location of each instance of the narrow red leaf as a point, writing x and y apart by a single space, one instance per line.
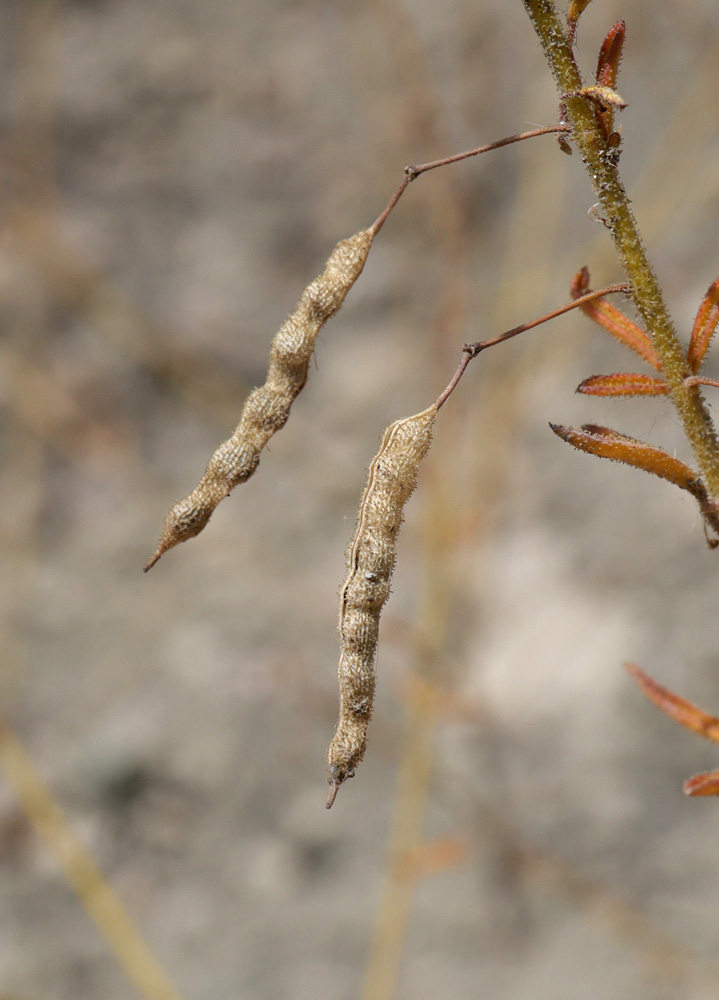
614 321
624 384
579 285
677 708
606 443
704 326
703 784
687 715
605 431
610 55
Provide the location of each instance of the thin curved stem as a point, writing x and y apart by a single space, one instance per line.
471 351
412 172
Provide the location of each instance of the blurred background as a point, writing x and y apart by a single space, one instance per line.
173 175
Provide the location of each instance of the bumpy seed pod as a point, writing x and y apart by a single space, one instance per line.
267 408
370 561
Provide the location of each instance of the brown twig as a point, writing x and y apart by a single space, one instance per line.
382 217
412 172
481 345
444 396
471 351
415 171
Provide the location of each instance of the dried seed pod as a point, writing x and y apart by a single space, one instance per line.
267 408
370 560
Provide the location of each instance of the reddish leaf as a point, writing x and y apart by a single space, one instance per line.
704 326
579 285
606 443
624 384
687 715
677 708
610 55
703 784
606 431
614 321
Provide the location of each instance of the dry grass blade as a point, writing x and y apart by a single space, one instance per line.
410 807
267 408
614 321
81 872
623 384
705 325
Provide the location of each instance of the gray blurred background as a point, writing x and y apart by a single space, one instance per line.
173 174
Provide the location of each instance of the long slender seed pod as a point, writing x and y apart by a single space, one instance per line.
370 560
267 408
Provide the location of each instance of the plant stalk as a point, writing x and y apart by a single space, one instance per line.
601 162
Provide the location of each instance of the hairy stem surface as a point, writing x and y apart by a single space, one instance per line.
600 161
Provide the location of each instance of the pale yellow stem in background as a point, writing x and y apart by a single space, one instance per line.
81 872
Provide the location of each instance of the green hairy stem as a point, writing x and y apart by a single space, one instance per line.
600 161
